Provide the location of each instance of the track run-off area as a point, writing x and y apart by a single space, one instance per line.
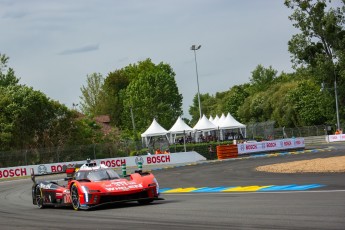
227 194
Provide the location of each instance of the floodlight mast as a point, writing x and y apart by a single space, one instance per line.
195 48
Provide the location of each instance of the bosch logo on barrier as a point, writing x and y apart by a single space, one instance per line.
57 168
139 159
251 147
114 163
12 172
158 159
271 145
287 143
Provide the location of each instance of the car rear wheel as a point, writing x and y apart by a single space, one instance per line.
39 197
75 197
144 202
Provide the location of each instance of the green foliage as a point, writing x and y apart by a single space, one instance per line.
115 83
320 45
311 105
8 78
28 117
92 95
152 94
234 98
262 78
149 90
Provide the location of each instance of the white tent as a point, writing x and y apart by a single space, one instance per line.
230 122
215 120
221 119
211 119
155 129
180 127
204 125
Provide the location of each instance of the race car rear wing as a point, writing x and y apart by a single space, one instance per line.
68 170
33 175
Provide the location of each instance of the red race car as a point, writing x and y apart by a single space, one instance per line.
89 186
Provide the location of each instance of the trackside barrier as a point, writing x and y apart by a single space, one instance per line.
227 151
335 138
268 146
161 159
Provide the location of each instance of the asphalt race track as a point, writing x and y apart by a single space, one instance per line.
321 207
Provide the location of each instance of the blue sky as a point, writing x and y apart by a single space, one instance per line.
53 45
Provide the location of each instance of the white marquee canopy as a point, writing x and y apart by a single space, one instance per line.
180 127
204 125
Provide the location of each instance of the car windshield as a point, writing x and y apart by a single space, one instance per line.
97 175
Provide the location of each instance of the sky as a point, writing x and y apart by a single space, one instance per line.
54 44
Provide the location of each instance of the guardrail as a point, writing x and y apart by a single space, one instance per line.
315 140
159 159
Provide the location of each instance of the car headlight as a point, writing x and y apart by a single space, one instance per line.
157 185
85 190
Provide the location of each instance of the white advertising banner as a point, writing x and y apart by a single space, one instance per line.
161 159
268 146
334 138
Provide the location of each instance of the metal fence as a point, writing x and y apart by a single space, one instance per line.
66 154
257 131
266 131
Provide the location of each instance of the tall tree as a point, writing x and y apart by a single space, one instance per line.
320 45
209 106
262 78
115 83
142 91
7 76
92 95
234 98
152 94
26 115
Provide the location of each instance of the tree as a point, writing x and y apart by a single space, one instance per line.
321 44
115 83
145 89
26 116
322 32
92 95
209 106
234 98
262 78
7 76
312 106
152 94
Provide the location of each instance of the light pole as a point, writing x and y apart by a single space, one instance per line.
195 48
336 100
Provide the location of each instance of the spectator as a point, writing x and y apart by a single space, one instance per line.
158 151
167 151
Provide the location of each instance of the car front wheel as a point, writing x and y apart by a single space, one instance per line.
75 197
